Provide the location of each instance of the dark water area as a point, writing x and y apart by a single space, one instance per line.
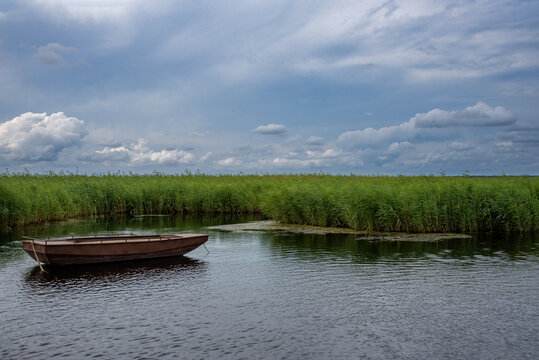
274 295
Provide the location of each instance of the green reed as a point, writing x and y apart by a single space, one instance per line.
410 204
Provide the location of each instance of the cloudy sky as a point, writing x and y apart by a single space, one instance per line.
365 87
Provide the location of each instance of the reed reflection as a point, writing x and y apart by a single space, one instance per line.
317 248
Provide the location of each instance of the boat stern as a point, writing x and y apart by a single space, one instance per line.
36 251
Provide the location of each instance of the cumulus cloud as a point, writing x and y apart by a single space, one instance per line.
50 54
35 137
295 163
297 160
139 154
271 129
478 115
400 147
229 161
328 153
436 140
380 137
120 153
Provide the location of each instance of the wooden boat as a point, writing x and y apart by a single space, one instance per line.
87 249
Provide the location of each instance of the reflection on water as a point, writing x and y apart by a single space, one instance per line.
274 295
316 247
111 272
112 224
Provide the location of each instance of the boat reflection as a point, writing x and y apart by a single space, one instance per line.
112 272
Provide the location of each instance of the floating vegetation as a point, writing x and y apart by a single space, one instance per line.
419 204
270 225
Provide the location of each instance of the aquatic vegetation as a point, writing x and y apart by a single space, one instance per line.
409 204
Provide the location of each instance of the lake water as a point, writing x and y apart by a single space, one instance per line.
275 295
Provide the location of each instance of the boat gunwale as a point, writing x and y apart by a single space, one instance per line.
104 239
41 237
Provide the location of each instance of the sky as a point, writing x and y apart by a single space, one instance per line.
364 87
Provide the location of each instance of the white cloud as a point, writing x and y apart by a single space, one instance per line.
298 160
229 161
139 154
33 137
271 129
169 157
328 153
50 54
394 149
478 115
295 163
371 137
206 156
400 147
120 153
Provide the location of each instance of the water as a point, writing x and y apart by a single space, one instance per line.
266 295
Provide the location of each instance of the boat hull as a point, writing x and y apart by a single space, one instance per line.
100 250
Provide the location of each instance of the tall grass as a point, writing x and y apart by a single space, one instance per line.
411 204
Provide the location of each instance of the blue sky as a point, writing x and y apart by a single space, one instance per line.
365 87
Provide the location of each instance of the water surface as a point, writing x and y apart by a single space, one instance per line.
271 295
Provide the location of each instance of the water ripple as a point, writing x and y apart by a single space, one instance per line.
259 296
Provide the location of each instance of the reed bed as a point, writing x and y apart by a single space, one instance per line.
409 204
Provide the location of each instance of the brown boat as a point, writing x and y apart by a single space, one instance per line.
89 249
